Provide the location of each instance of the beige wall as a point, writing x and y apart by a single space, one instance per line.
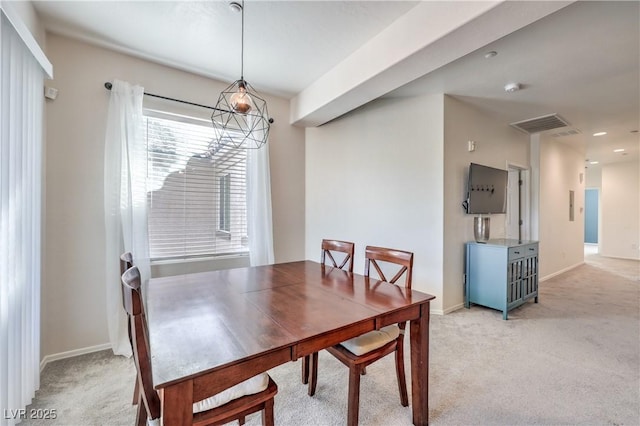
73 290
561 240
381 176
496 145
593 177
620 208
375 177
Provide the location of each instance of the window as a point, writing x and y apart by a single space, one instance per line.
196 192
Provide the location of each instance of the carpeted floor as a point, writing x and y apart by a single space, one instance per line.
574 358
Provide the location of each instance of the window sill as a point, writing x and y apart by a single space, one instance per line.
199 259
169 267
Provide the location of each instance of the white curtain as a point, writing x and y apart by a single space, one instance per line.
125 201
21 110
259 223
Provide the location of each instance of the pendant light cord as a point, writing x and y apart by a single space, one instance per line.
242 46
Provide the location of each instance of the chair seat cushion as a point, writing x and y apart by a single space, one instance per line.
248 387
372 340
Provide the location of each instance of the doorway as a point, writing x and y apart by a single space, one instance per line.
517 225
591 202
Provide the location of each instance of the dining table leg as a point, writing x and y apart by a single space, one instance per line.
419 335
176 403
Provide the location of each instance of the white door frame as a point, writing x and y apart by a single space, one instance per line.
525 195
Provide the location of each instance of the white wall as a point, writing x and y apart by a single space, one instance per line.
561 241
496 145
375 177
73 290
620 208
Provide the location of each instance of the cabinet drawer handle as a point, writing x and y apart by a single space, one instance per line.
531 249
516 252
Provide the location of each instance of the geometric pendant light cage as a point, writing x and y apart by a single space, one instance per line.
240 118
232 126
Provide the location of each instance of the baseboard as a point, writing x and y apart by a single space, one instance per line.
562 271
69 354
446 311
618 257
454 308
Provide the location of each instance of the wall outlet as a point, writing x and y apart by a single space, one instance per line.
472 146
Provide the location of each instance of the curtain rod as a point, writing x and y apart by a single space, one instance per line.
108 86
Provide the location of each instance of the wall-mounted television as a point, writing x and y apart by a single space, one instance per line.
486 190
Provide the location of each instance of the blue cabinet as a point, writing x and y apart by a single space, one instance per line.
501 274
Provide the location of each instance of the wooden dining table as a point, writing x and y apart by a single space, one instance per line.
209 331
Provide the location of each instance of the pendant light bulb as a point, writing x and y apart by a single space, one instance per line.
240 101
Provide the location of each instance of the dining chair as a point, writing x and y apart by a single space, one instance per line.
126 262
328 249
252 395
365 349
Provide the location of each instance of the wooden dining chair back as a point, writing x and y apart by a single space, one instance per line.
148 400
361 351
329 247
126 262
253 395
375 255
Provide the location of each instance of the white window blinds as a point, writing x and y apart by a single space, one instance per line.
197 199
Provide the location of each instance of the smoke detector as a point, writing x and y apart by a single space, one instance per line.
512 87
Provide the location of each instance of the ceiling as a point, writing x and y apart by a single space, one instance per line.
288 44
580 60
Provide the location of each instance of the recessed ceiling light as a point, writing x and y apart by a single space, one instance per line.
619 150
490 55
512 87
593 162
600 134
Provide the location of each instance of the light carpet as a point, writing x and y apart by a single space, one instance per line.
573 358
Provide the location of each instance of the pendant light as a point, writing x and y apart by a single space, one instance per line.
240 118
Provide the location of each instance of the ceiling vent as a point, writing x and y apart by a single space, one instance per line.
540 124
569 132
